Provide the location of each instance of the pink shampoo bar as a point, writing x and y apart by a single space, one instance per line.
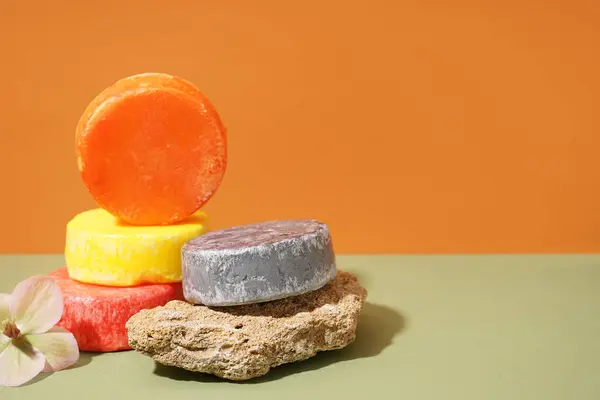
96 315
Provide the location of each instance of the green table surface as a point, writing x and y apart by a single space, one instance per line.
433 327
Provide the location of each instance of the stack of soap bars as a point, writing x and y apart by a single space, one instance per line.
151 150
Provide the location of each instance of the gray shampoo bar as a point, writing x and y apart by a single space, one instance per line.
257 263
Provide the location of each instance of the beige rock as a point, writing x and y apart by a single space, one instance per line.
245 342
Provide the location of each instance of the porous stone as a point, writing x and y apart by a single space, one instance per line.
244 342
257 262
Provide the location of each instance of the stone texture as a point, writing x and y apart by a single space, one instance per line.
244 342
258 262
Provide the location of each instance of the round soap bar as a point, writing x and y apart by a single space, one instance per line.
96 315
102 250
151 149
257 263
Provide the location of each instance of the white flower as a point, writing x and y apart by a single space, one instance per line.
29 341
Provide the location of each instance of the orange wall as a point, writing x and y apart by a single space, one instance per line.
408 126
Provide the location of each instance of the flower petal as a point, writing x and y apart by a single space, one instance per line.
4 307
58 346
4 341
19 364
36 304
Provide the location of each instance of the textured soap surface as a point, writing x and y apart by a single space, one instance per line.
151 149
102 250
245 342
96 315
257 262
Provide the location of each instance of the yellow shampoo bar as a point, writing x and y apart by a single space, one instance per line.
102 250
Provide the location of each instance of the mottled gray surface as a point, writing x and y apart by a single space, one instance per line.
258 262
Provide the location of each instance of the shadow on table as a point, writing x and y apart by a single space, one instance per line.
377 327
84 359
